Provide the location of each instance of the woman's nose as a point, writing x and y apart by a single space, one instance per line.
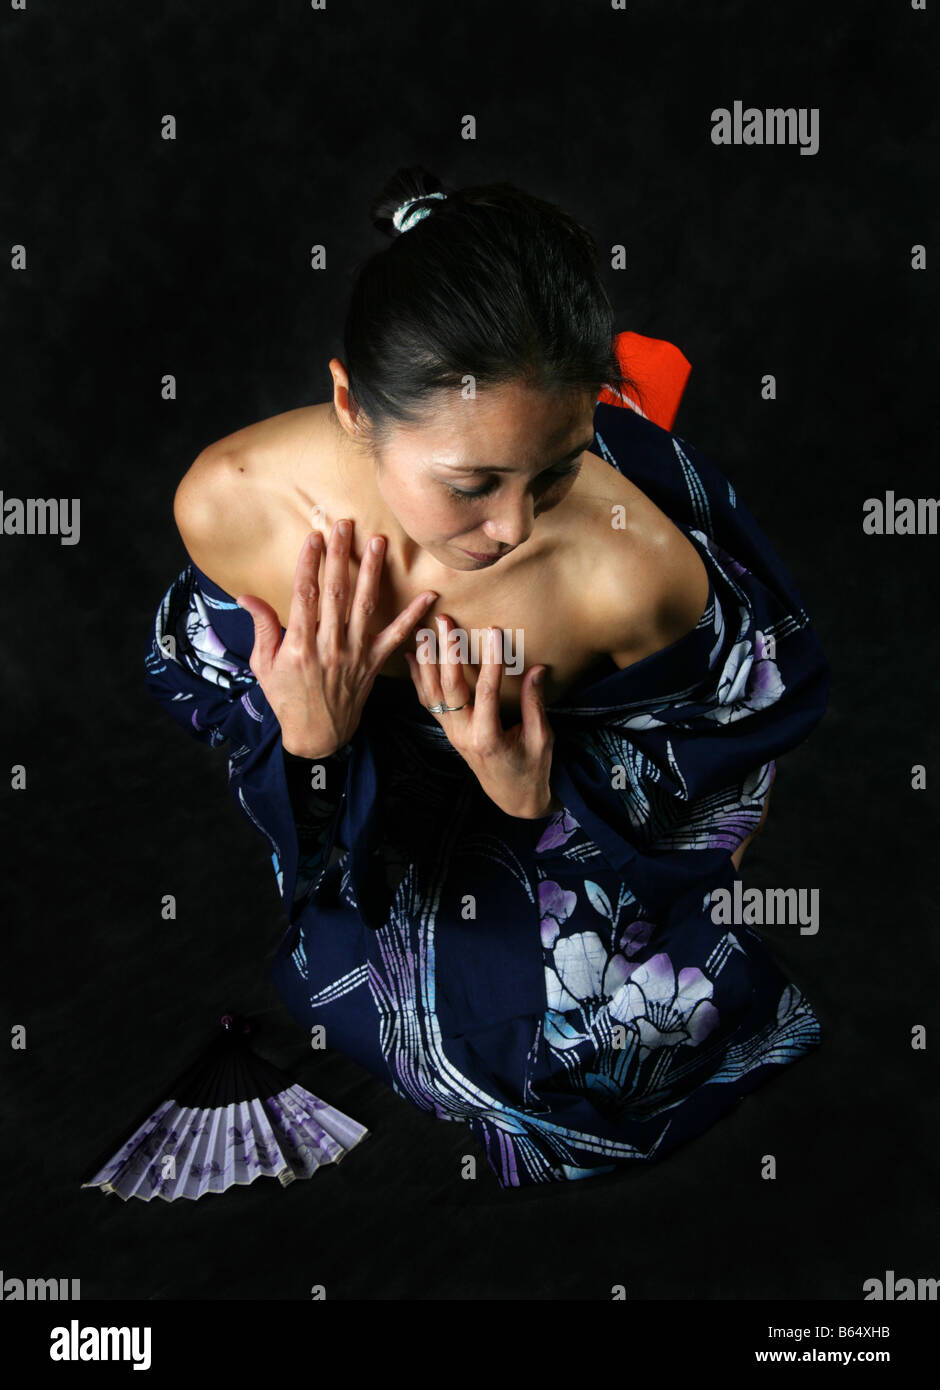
513 525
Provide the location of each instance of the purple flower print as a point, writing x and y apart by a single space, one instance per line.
556 904
559 830
212 1168
750 680
666 1010
634 937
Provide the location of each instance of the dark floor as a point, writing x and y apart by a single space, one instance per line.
148 257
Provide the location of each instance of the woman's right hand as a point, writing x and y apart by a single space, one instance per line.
317 676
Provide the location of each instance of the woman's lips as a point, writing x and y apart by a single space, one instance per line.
474 555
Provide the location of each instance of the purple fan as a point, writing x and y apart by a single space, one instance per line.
229 1118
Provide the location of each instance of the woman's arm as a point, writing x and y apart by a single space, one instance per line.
198 669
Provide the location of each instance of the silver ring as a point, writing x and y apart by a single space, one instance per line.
447 709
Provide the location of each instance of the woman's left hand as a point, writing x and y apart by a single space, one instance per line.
511 765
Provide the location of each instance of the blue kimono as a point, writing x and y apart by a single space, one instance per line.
560 984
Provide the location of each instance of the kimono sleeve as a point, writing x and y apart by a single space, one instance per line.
197 668
316 788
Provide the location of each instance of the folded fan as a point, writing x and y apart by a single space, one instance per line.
229 1118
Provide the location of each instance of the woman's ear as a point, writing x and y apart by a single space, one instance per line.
345 411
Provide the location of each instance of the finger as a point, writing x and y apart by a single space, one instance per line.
305 595
451 674
332 628
427 660
488 723
366 595
398 629
428 689
535 726
267 632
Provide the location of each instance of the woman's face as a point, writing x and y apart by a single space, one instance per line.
471 481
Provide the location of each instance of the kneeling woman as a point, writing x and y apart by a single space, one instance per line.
498 880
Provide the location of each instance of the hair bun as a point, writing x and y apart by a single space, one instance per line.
410 182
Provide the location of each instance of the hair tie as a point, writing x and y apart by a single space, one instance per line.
404 220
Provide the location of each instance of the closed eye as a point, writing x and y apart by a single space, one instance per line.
556 476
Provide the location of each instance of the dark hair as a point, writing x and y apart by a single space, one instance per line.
494 283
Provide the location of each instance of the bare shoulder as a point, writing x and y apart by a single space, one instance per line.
244 507
649 585
223 514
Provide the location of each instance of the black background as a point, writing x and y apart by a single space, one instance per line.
191 257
